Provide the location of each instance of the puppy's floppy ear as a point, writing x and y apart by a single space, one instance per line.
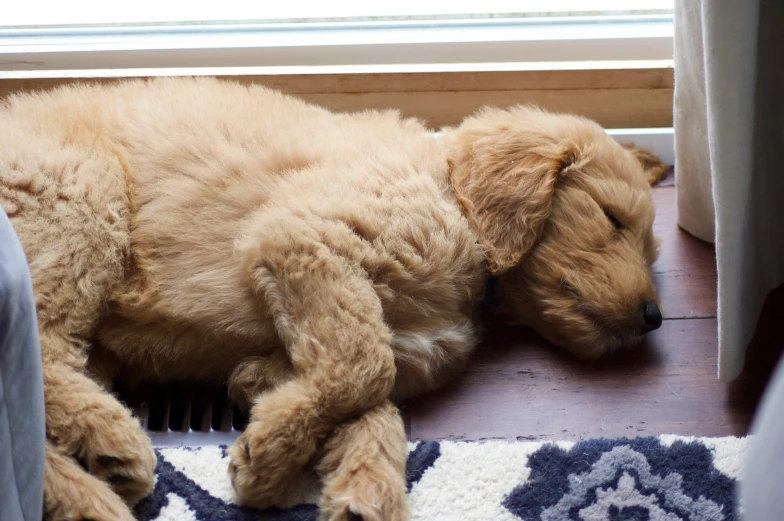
655 169
505 181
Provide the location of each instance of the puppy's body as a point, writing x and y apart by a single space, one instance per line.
319 263
188 185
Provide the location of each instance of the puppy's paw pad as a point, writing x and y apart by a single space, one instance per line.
364 499
119 479
104 460
350 513
353 516
130 470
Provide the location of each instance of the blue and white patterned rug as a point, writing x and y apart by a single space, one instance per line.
668 478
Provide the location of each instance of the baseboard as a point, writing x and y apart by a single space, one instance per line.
659 141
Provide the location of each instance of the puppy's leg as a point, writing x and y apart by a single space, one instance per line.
86 422
71 494
257 375
330 319
70 208
364 469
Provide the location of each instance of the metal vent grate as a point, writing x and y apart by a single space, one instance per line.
181 414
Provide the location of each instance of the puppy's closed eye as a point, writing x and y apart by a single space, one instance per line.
613 220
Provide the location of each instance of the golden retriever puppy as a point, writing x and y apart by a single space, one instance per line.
322 264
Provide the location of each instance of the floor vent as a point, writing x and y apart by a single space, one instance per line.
180 414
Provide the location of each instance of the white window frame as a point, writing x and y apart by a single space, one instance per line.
368 46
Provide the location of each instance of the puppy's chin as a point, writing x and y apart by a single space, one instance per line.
569 325
592 341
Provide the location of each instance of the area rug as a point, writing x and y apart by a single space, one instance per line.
665 478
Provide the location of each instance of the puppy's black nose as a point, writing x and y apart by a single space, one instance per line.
651 316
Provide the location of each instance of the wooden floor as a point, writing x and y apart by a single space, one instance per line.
519 387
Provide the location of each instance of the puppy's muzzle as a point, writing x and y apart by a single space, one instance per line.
651 317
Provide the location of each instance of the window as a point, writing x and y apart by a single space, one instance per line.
610 60
89 12
47 35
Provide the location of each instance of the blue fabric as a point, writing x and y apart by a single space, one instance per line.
22 432
566 482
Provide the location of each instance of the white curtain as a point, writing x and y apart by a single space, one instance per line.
729 147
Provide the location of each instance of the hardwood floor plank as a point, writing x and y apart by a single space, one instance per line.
519 387
685 273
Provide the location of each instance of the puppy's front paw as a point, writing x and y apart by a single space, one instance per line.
120 453
365 486
365 494
128 468
71 494
112 446
265 461
89 503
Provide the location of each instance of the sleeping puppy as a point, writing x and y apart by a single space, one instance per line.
323 265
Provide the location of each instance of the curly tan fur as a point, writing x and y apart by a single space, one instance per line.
653 166
321 264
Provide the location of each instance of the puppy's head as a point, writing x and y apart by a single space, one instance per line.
565 217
